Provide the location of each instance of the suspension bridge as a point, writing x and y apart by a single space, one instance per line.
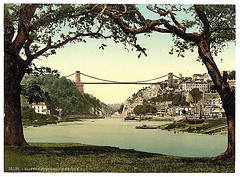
80 85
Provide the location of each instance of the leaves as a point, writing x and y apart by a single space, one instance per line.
143 109
62 22
58 93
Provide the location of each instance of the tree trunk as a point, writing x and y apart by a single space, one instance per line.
13 74
227 96
228 100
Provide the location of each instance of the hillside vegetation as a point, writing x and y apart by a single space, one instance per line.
61 93
186 126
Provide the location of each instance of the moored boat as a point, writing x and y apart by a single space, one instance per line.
130 118
147 127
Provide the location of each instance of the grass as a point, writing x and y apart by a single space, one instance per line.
71 157
34 119
184 126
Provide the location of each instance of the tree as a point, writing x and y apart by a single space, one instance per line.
232 75
143 109
58 93
35 30
120 110
196 94
215 26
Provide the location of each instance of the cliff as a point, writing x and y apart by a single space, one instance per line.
141 96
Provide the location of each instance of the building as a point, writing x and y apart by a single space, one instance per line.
180 75
41 108
207 97
188 86
162 108
200 77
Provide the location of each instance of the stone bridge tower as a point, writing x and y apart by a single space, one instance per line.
78 83
170 79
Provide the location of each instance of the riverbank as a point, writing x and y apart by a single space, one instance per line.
74 157
190 127
37 120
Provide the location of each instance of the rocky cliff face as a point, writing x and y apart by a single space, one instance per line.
105 110
139 97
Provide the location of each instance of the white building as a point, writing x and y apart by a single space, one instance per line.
41 108
188 86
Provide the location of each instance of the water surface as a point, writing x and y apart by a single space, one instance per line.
119 133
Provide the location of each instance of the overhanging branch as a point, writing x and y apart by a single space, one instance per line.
152 25
202 16
50 46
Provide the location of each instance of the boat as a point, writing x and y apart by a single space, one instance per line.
130 118
147 127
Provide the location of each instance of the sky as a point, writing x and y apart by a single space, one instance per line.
116 63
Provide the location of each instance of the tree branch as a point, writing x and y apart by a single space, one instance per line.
26 12
9 29
49 46
163 12
27 48
162 30
120 22
142 19
67 14
105 7
152 25
202 16
187 36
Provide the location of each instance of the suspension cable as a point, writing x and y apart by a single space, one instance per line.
120 81
106 80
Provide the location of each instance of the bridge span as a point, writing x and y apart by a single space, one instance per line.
80 85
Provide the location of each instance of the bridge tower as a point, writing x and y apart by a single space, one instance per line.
170 79
78 83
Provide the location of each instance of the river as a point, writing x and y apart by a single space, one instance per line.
119 133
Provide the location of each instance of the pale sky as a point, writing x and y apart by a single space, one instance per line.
116 63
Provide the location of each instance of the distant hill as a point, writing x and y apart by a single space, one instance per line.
115 106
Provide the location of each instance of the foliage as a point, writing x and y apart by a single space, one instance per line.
33 92
233 89
37 71
222 19
177 99
120 110
143 109
59 24
27 109
63 94
73 157
34 119
185 126
196 94
133 98
232 75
